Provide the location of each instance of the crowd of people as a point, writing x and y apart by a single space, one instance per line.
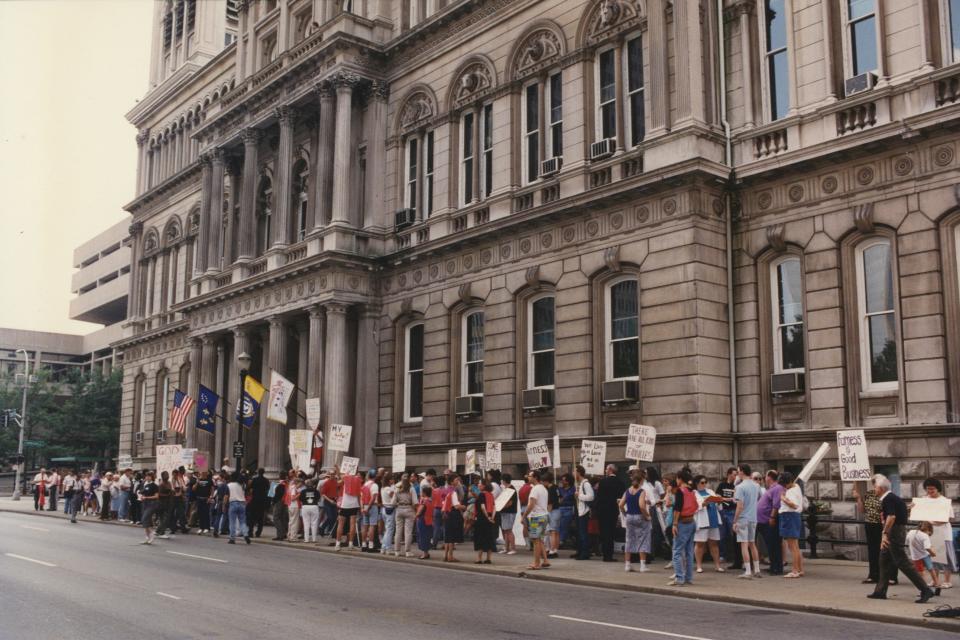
748 520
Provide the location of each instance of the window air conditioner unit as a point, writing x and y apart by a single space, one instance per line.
537 399
404 218
784 383
620 391
603 149
550 167
162 436
860 83
138 437
468 406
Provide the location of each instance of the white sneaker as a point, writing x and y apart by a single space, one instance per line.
511 553
408 555
674 583
699 570
643 568
757 574
745 576
164 537
501 551
627 567
396 554
336 547
669 565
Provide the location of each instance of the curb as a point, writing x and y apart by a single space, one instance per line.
921 622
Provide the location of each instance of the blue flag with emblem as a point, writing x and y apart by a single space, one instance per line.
252 395
207 410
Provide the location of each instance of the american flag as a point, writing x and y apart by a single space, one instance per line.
182 404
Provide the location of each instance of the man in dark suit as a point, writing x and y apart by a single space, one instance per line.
610 490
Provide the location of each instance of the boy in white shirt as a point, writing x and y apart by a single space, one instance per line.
921 551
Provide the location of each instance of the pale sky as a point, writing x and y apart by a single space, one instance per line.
70 70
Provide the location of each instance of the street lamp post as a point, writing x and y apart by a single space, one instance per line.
23 422
243 362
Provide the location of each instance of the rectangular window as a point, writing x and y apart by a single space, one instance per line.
542 327
164 407
955 29
531 126
486 173
466 163
878 326
624 330
779 91
473 353
428 175
608 95
635 90
862 19
787 316
412 169
413 391
555 88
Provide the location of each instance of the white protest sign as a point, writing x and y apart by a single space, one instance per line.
481 462
313 412
641 441
504 497
852 452
814 462
931 510
593 453
556 451
280 391
168 457
452 459
186 457
538 455
399 457
348 466
124 461
470 462
492 456
300 442
340 437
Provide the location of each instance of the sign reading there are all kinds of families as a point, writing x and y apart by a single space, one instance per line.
492 456
593 453
538 455
399 457
852 454
641 441
340 437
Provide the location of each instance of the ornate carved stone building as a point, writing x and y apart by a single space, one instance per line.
504 219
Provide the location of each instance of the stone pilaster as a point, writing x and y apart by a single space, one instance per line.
303 343
282 224
366 386
342 151
324 163
248 223
136 238
336 388
196 355
273 438
318 326
203 238
208 373
215 214
657 31
375 212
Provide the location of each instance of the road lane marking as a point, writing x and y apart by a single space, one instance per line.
620 626
167 595
13 555
190 555
26 526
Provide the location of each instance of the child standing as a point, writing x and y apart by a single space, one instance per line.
921 551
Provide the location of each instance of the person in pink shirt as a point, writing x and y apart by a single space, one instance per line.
350 485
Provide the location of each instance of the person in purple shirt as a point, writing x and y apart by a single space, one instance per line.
767 525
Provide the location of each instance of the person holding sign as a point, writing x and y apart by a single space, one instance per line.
585 497
536 515
942 536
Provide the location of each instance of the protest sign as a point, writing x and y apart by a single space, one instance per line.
399 457
280 391
492 456
452 459
348 466
201 461
340 437
556 451
852 453
300 443
931 510
641 441
186 457
168 457
593 453
814 462
481 462
313 412
124 462
538 455
504 497
470 462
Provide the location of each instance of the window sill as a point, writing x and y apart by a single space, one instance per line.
880 393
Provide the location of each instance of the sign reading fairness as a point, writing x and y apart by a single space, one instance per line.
852 453
641 441
538 455
593 453
340 437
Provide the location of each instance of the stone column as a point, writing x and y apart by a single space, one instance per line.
229 242
318 326
374 214
342 174
173 35
135 230
241 49
689 55
203 238
208 373
282 226
215 214
142 136
336 388
273 439
746 52
303 356
196 355
324 162
248 223
657 30
366 385
829 72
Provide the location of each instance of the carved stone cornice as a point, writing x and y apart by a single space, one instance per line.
345 80
325 90
734 11
142 136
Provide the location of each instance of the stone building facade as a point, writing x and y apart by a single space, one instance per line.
502 220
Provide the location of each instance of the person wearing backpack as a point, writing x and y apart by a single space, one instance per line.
685 507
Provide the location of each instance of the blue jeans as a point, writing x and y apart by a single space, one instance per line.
389 529
424 535
329 525
437 527
124 508
566 519
238 519
728 539
683 551
583 536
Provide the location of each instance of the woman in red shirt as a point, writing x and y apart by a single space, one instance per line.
452 519
485 528
425 522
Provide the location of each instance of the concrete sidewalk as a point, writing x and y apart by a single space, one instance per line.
830 587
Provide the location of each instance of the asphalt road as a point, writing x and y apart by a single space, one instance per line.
97 581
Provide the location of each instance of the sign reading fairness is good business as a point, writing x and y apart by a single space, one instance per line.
168 457
348 466
399 457
641 441
593 453
492 456
340 437
538 455
852 453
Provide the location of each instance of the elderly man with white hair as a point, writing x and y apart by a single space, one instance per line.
892 554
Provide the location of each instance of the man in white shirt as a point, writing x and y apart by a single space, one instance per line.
53 485
106 485
125 483
69 491
584 499
40 484
536 515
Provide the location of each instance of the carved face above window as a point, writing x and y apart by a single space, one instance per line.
612 16
541 48
473 81
417 108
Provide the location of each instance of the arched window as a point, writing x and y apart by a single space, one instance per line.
264 213
623 330
413 372
877 321
301 189
472 354
786 294
541 342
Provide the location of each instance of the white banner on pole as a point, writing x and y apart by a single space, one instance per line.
340 437
493 456
399 457
313 412
556 452
470 462
593 453
168 457
452 460
348 466
641 441
538 455
852 453
811 466
280 391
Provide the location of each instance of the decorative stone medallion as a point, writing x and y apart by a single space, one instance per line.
829 184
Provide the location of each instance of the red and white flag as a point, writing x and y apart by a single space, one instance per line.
182 404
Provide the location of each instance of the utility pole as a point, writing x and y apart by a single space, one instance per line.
23 422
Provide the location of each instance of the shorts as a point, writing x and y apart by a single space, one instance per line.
746 531
536 527
923 563
791 525
507 521
702 535
349 513
371 517
554 520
